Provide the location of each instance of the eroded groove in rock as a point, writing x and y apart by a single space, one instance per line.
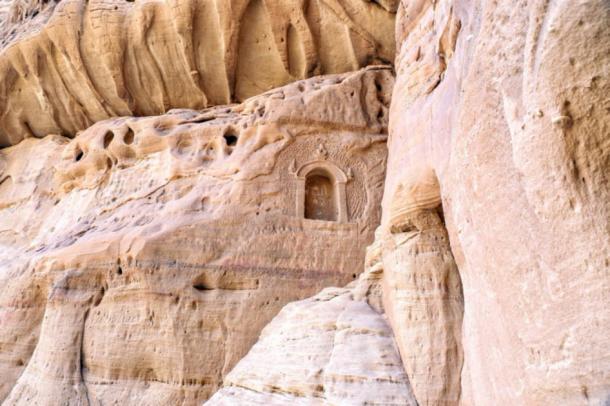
92 60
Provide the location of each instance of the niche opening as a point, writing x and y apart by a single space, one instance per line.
320 197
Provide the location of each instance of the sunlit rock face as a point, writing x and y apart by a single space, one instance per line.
496 206
149 255
68 64
141 260
333 348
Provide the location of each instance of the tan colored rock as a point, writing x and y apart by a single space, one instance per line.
423 298
140 260
500 114
67 66
331 349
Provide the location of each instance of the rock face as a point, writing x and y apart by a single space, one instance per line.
500 115
141 260
69 65
151 260
331 349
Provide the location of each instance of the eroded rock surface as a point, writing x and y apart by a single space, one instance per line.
500 115
141 260
332 349
69 64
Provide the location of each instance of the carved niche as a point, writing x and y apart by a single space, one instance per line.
321 192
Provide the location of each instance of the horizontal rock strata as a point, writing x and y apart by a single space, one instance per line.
331 349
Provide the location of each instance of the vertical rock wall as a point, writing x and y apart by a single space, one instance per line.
500 115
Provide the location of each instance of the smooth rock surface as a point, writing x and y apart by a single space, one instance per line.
331 349
500 114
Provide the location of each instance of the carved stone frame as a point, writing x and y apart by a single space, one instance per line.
337 177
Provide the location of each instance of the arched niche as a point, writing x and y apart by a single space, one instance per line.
321 192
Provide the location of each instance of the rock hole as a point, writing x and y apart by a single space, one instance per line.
378 86
202 287
441 215
405 226
185 144
78 155
230 139
108 138
354 276
129 136
119 271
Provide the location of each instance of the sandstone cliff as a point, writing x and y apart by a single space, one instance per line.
500 116
141 259
494 241
332 349
148 255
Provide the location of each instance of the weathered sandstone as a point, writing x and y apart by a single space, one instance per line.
500 115
331 349
69 64
141 260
